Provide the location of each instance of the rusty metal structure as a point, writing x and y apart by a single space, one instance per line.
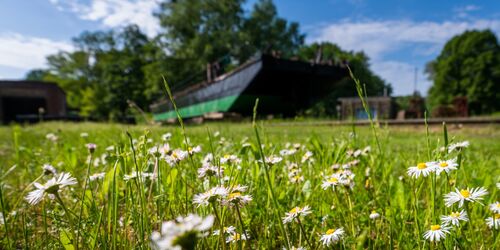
283 87
30 98
381 107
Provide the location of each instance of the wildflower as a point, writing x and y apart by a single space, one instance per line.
181 233
332 236
495 207
230 159
166 137
135 174
374 215
216 194
227 230
470 195
51 187
287 152
493 221
237 199
209 170
423 169
446 166
97 176
307 156
110 148
272 160
2 219
458 146
176 156
52 137
454 218
91 147
194 150
49 169
436 232
332 181
296 212
84 135
234 237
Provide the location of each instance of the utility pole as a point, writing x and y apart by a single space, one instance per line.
415 82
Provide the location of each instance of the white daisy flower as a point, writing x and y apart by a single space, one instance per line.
237 199
287 152
181 233
494 221
374 215
436 233
230 159
446 166
135 174
495 207
295 178
110 148
332 236
307 156
84 135
458 146
454 218
176 156
97 176
272 160
51 187
52 137
227 230
460 196
295 213
194 150
422 168
331 182
235 237
49 169
209 170
216 194
166 136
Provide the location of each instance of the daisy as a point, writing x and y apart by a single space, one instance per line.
237 199
51 187
84 135
287 152
494 221
454 218
176 156
181 233
446 166
495 207
91 147
436 232
166 137
98 176
234 237
423 169
272 160
374 215
230 159
296 212
458 146
194 150
49 169
307 156
331 182
332 236
471 195
51 137
215 194
209 170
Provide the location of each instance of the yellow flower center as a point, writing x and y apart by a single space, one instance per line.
330 231
455 214
443 164
465 193
294 210
435 227
333 179
234 195
226 156
190 149
498 205
374 212
174 154
237 236
497 216
421 166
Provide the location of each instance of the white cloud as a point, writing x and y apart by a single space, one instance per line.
410 40
402 76
115 13
463 11
25 52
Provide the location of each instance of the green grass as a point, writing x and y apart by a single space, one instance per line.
119 214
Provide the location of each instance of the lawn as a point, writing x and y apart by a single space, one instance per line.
319 187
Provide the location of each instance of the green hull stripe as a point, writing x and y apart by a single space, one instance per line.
218 105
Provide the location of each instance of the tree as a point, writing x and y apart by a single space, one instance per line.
468 65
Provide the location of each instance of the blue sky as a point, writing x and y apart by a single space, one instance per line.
398 36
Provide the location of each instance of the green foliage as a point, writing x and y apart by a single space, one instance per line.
469 65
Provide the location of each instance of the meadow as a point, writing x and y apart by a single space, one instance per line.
238 186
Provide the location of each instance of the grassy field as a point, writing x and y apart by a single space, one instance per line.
319 188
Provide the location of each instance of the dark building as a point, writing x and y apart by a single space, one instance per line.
282 86
28 98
